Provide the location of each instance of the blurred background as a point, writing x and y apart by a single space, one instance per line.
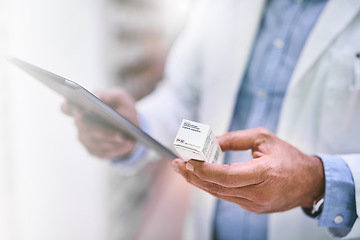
50 187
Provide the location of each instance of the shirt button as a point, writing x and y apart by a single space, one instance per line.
261 94
278 43
338 219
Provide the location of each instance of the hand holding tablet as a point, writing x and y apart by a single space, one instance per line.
115 117
102 141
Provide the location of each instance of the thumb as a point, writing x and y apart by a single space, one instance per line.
242 140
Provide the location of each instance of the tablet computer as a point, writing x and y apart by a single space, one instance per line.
92 106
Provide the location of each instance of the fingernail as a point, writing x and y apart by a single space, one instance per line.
175 166
189 167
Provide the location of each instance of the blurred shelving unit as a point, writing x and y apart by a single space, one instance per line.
139 34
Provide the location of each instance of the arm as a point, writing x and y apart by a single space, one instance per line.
279 178
162 111
178 95
339 209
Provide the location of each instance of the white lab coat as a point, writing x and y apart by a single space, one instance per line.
321 110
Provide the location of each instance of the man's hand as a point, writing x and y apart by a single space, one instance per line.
279 178
99 140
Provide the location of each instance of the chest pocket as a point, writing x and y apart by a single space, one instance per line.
344 71
340 107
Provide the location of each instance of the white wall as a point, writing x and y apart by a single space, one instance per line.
56 190
5 201
50 188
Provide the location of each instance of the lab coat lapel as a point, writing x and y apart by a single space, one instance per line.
230 57
334 19
234 52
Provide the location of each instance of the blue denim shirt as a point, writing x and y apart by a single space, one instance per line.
284 30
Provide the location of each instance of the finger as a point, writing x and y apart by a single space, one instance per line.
109 154
104 151
257 154
243 203
190 177
227 194
113 97
89 127
66 108
243 140
233 175
99 140
91 142
120 101
101 153
212 188
98 137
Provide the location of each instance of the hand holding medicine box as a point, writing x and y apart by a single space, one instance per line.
197 141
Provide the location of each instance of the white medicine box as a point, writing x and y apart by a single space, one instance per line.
197 141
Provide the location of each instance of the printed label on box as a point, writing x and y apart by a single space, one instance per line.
197 141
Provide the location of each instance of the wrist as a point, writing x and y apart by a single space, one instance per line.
316 188
316 208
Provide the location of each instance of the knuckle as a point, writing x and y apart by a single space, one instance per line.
263 132
213 194
215 189
230 135
231 138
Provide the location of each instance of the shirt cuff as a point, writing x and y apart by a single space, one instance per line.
139 152
339 209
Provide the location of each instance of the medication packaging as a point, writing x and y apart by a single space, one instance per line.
197 141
